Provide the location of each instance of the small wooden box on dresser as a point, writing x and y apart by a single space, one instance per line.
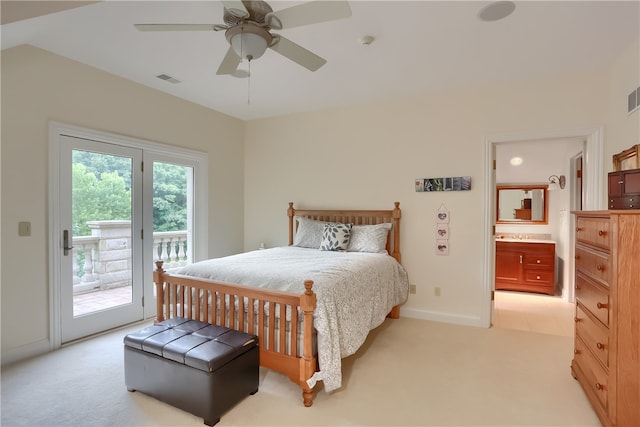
606 358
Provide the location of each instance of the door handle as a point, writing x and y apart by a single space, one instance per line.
65 242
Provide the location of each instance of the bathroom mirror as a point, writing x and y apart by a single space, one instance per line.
521 204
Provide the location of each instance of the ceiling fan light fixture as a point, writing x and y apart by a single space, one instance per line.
249 41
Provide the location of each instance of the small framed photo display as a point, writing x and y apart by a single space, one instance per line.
442 216
442 231
442 247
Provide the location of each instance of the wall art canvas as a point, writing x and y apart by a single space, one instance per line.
429 185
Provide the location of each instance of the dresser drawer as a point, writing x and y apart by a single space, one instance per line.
542 277
594 264
594 231
594 335
593 297
627 202
595 376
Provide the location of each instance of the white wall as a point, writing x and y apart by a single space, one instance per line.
38 87
623 130
368 157
364 156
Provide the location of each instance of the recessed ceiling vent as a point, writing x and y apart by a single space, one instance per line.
634 101
168 78
496 11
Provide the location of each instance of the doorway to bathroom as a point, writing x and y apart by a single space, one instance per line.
543 159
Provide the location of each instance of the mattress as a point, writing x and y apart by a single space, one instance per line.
355 292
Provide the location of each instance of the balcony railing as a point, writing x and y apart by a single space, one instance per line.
104 260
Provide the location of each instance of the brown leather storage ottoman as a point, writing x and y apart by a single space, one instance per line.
200 368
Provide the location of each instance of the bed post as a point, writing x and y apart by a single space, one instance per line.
159 281
396 234
291 212
308 361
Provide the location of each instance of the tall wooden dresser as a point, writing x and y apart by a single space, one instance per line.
607 323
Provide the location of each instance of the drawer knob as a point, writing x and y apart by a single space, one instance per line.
599 267
576 319
601 232
576 351
537 277
599 386
578 229
538 261
602 305
600 346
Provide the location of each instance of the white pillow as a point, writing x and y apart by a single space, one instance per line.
335 237
308 233
369 238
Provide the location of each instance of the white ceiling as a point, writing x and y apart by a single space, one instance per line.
419 46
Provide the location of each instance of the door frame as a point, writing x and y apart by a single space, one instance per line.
197 159
592 184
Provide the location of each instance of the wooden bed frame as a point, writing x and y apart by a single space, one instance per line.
190 297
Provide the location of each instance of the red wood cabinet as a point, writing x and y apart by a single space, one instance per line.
526 266
624 189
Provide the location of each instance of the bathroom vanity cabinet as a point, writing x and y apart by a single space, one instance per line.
526 266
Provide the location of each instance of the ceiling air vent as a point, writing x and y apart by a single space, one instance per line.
633 101
168 78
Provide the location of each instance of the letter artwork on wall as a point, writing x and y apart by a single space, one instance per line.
428 185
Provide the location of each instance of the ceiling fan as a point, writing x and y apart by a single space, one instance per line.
248 25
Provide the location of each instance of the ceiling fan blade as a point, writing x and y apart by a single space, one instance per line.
313 12
236 8
175 27
298 54
230 63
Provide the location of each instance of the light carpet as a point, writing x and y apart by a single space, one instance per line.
409 373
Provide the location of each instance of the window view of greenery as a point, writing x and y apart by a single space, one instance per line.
102 191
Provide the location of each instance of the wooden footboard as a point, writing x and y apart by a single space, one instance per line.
235 306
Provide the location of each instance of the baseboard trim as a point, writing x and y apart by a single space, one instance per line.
436 316
24 352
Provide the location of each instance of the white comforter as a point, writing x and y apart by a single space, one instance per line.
355 291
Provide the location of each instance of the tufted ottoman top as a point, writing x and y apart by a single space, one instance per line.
193 343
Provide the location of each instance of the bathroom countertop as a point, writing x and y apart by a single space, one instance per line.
524 240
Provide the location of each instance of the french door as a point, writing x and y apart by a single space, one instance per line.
101 262
117 205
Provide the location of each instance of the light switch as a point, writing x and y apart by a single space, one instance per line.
24 228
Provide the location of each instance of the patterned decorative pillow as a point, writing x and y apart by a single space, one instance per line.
335 237
308 233
369 238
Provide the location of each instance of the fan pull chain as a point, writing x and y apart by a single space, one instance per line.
249 85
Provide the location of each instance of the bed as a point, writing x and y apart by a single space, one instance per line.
317 313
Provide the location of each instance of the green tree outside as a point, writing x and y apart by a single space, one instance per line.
102 191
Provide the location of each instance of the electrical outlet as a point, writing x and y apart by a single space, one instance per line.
436 291
412 289
24 228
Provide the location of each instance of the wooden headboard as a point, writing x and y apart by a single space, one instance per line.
356 217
